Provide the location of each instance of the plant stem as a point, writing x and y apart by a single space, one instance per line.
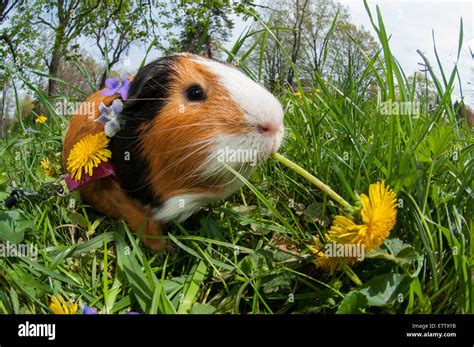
351 274
321 185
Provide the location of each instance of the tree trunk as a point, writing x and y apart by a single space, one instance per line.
60 44
2 116
112 63
103 77
300 15
209 47
53 71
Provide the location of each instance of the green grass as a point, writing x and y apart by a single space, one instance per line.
249 254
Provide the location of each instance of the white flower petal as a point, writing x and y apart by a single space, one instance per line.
117 106
103 108
111 128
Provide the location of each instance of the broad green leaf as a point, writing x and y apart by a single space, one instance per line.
198 308
354 302
385 289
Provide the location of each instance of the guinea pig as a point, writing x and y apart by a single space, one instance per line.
184 116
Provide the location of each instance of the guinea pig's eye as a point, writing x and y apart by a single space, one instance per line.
195 93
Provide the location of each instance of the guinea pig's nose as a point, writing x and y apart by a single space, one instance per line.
267 128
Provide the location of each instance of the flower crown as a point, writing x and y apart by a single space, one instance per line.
88 160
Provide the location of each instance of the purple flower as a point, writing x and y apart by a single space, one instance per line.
110 117
88 310
114 86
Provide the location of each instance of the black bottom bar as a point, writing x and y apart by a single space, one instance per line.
365 330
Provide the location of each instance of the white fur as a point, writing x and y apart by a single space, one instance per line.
226 143
259 104
180 207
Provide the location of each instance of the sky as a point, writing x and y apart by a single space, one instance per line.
410 24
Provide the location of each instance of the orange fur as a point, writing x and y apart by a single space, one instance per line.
105 195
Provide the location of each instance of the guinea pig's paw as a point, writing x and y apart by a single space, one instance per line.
170 250
167 249
155 244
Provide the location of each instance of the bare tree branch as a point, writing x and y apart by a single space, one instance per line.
5 9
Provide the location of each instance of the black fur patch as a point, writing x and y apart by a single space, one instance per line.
146 97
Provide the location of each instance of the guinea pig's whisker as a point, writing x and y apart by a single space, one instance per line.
157 132
197 172
173 165
179 149
220 171
219 174
208 160
145 99
202 144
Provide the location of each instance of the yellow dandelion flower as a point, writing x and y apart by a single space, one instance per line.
88 154
378 214
45 165
41 119
61 307
317 90
325 262
298 95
